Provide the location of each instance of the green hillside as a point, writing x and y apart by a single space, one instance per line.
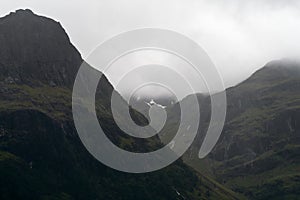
258 152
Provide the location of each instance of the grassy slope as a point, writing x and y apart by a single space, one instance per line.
258 153
55 104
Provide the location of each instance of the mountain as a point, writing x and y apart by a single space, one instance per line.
35 48
41 155
259 149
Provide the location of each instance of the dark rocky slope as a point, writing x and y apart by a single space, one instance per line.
41 156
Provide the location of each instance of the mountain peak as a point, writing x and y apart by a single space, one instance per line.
283 63
21 14
24 11
36 48
275 71
284 68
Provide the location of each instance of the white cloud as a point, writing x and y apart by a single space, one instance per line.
239 36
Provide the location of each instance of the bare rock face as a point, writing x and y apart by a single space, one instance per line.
36 49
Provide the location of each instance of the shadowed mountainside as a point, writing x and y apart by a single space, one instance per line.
41 156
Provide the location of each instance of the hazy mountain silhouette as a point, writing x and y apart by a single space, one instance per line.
258 152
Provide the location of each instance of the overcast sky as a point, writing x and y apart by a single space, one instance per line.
239 36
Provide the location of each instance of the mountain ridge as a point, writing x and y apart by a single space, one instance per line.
258 151
36 48
41 156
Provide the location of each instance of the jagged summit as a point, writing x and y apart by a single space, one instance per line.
19 12
23 11
24 14
36 48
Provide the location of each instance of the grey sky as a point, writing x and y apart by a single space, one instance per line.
239 36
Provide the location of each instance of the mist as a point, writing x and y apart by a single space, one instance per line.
240 37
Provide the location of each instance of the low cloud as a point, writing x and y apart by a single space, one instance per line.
239 36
